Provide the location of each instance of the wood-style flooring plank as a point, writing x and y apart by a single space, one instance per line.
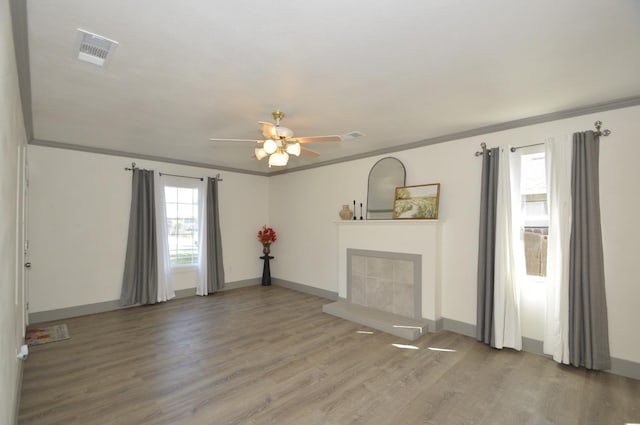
268 355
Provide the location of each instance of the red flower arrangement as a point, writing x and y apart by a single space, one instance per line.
267 235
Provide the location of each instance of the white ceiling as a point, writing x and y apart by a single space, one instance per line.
399 71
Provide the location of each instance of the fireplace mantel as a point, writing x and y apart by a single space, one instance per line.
383 222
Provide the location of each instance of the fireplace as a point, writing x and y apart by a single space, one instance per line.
388 275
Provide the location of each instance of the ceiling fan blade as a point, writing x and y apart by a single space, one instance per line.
237 140
318 139
266 128
309 152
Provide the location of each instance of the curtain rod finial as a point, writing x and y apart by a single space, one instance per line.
483 145
604 132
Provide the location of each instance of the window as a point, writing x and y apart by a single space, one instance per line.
535 212
182 224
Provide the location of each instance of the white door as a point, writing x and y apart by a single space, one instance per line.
22 292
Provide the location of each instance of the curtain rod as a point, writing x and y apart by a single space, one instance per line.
217 177
598 132
515 148
178 175
133 167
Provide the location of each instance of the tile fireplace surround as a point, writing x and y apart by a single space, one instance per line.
388 275
386 281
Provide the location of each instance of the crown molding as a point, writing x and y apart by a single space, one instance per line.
132 155
523 122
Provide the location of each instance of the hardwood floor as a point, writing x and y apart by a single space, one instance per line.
268 355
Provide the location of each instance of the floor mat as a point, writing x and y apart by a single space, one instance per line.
39 336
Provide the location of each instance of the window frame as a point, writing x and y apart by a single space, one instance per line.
532 150
183 183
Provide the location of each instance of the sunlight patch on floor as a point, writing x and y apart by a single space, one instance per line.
448 350
405 346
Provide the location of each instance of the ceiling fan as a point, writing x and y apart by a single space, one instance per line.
279 142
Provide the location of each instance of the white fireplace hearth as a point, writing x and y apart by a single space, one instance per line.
388 275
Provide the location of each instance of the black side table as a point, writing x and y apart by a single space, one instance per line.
266 271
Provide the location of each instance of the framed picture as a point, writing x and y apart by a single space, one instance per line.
417 202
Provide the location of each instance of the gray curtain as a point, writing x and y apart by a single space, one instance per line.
588 325
140 279
215 269
487 246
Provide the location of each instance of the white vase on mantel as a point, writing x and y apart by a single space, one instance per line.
346 213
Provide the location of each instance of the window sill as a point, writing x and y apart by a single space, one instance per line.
184 268
535 280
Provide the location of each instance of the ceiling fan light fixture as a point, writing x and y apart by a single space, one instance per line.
270 146
261 153
293 149
278 159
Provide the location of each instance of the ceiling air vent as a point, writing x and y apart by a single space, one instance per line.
353 135
94 48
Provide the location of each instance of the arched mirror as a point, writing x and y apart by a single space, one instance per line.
384 177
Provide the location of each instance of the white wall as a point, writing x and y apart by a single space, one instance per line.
304 206
12 138
78 223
